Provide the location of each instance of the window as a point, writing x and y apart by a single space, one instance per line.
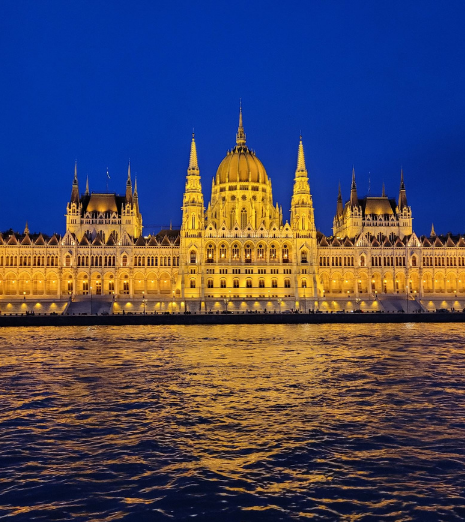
274 283
414 261
304 283
235 252
223 252
125 261
304 257
193 258
248 254
248 283
192 283
243 218
223 283
362 261
126 286
261 283
210 283
236 283
68 261
285 254
260 253
287 283
273 252
210 251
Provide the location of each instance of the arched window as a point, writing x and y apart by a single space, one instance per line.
193 223
236 283
248 283
210 251
285 254
274 283
304 283
68 260
124 260
193 258
261 283
235 252
260 252
304 256
243 218
287 283
223 283
273 252
192 283
362 260
210 283
248 254
414 260
223 252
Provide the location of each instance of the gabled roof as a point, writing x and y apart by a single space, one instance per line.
335 242
166 241
140 241
12 240
374 242
438 243
40 240
26 240
387 243
461 242
152 241
53 240
399 242
426 242
84 241
450 242
348 242
111 241
97 241
323 242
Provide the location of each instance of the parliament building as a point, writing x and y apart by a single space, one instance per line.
234 253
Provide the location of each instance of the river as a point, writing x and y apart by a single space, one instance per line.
233 423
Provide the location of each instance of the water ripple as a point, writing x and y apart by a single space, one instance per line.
240 423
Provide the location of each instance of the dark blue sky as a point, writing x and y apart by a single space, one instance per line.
374 84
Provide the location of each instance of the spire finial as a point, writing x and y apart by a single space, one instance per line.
26 229
240 136
75 171
87 185
129 173
135 186
301 158
353 190
193 162
353 177
433 233
384 191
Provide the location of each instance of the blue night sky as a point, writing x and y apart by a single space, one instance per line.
374 84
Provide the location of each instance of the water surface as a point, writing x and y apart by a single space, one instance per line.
233 423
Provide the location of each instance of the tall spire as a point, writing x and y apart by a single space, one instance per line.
193 162
339 207
383 194
135 187
26 229
353 190
87 185
129 185
433 233
240 136
301 160
75 189
402 203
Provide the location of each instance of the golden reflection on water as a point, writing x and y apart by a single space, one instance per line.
316 414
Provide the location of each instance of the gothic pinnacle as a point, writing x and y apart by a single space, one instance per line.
193 162
240 136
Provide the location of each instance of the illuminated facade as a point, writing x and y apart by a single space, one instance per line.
237 253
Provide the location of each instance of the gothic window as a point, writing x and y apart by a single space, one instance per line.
285 254
210 283
210 251
304 257
192 283
414 261
124 261
261 283
235 252
274 283
193 257
243 218
304 283
260 252
223 252
273 252
223 283
287 283
248 283
248 254
193 222
362 261
236 283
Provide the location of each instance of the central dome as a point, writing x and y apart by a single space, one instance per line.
241 165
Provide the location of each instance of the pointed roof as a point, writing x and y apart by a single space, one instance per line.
461 242
26 229
402 192
450 242
426 242
353 190
438 242
166 241
339 206
348 242
111 241
301 168
87 185
240 136
152 241
433 233
40 240
75 188
84 241
140 241
12 240
53 240
193 162
324 242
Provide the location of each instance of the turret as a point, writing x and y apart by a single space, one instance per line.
302 217
193 209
